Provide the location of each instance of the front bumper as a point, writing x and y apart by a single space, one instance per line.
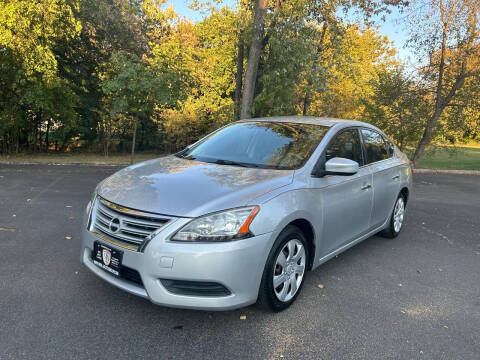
237 265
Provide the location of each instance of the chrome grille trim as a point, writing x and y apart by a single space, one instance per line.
132 229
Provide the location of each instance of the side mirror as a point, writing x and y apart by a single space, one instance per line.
341 166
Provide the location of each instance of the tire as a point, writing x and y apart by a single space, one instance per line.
288 270
397 220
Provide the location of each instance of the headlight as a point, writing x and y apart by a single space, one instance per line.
222 226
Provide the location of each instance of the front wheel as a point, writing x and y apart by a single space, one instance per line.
396 219
284 271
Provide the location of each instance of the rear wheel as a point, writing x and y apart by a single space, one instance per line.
284 271
396 219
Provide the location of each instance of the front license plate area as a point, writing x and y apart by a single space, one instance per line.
107 258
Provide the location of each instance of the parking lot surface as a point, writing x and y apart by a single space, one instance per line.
413 297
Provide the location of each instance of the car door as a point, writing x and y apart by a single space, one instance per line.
347 200
385 173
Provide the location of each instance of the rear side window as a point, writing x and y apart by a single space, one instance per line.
346 145
375 146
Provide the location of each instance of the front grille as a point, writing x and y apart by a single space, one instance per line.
122 226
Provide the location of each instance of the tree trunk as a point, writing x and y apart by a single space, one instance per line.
36 133
133 141
440 105
318 54
141 143
63 146
46 135
17 142
440 102
253 58
402 143
306 103
106 146
104 137
427 135
239 75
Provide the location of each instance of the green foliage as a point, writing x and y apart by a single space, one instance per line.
131 91
80 73
461 123
289 65
130 86
198 62
30 29
397 106
336 78
33 95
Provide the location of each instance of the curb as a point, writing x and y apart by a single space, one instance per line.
60 164
442 171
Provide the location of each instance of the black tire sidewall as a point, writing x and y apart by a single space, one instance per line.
267 293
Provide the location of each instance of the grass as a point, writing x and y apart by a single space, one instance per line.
76 158
463 157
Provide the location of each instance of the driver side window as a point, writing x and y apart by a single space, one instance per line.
346 145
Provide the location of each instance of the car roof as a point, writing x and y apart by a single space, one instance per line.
324 121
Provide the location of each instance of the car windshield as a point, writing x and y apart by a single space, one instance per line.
274 145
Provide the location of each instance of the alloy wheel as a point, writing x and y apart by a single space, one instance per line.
289 270
398 214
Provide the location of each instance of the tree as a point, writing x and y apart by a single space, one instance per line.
397 106
199 61
254 54
461 119
241 25
30 29
333 82
447 31
353 66
79 73
33 98
131 90
108 27
317 14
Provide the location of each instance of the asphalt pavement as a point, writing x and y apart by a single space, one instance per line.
413 297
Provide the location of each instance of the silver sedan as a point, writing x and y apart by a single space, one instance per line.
241 215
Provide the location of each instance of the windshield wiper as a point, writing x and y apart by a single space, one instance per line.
181 155
235 163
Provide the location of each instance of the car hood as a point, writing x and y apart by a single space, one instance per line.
180 187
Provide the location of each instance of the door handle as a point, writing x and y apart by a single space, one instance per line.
396 177
365 187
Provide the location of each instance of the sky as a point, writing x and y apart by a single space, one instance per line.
393 27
